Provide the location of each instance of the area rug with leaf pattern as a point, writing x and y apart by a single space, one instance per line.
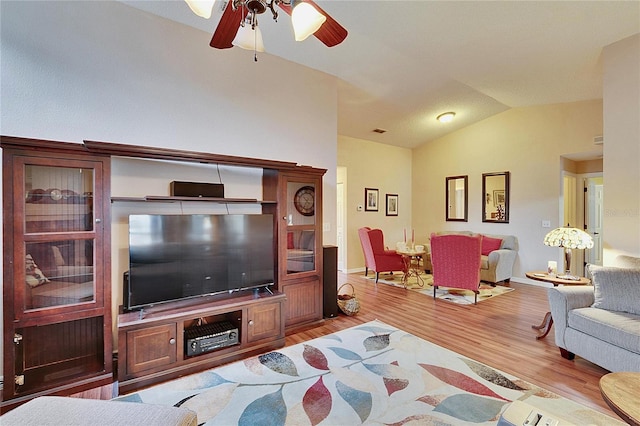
369 374
424 284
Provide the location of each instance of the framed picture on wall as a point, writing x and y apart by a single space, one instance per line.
392 205
498 197
370 200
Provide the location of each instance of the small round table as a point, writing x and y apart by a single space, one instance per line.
547 322
411 259
621 391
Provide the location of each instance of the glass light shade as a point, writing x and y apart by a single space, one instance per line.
446 117
201 8
571 238
306 20
248 38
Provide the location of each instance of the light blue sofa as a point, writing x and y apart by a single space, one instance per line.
601 323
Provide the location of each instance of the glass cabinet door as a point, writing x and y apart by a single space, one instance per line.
58 237
301 227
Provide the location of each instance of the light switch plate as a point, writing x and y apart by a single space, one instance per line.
546 224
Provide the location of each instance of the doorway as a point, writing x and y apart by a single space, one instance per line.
582 207
593 211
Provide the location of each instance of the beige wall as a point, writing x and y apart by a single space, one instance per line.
528 142
374 165
621 96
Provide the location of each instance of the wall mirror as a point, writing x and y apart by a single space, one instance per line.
457 198
495 197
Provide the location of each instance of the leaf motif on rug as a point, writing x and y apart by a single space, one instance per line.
470 408
376 343
394 384
317 402
346 354
490 375
315 358
267 410
361 402
280 363
422 420
461 381
201 403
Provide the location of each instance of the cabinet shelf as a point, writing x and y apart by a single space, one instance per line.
174 199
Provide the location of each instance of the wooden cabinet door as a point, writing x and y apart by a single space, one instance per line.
304 301
56 268
264 320
151 347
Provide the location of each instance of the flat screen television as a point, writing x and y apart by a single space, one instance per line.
174 257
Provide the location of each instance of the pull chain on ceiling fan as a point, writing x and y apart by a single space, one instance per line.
238 25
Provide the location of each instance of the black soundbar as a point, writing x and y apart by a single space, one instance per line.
196 189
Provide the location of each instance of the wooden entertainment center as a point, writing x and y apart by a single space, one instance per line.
64 191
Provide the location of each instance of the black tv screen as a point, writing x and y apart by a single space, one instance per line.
173 257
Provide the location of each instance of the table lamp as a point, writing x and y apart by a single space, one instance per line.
568 238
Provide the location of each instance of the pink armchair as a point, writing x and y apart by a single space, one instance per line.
456 262
376 257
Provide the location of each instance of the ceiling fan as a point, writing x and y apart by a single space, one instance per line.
238 25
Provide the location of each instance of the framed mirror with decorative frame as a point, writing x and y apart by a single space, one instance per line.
457 198
495 197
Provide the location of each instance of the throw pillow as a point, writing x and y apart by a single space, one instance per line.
33 275
490 244
616 289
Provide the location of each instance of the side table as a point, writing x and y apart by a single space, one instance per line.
547 322
621 391
411 259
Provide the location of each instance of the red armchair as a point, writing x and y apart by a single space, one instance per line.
376 257
456 262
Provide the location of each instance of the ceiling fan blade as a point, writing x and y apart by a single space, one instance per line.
331 33
227 28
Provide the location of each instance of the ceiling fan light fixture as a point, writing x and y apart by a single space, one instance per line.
249 38
446 117
201 8
306 20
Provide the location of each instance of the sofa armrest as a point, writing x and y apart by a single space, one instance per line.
564 299
501 261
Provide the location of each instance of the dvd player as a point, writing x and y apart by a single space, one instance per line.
208 337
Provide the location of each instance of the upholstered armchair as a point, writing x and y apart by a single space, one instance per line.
498 256
456 262
376 256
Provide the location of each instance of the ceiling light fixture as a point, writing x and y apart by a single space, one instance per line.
201 8
446 117
306 19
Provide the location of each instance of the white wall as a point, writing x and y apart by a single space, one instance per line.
621 96
105 71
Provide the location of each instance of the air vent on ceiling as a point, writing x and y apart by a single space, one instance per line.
598 140
381 131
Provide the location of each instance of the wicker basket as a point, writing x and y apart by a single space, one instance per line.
348 303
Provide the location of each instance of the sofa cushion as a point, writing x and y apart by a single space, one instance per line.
490 244
616 289
617 328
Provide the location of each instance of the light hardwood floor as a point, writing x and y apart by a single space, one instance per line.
496 332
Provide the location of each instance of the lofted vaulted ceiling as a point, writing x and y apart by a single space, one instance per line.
405 62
